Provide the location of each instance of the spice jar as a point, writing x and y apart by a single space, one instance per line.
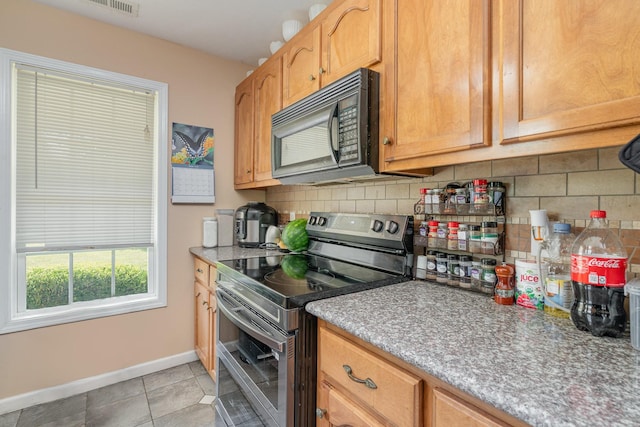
450 198
505 285
420 208
437 207
432 239
496 192
480 196
453 267
462 203
424 228
476 274
431 265
488 275
452 236
489 237
463 230
442 268
465 271
442 235
475 242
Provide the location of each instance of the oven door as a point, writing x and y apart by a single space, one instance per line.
255 365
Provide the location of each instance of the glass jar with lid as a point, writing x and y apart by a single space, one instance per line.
453 267
489 237
488 275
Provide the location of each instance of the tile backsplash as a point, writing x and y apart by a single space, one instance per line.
567 185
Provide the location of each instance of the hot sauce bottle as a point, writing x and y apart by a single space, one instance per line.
505 287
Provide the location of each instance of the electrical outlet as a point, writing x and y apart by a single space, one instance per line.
292 216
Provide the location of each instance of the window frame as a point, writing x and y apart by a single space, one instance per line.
11 320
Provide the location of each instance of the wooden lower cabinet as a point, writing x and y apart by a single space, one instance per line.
205 315
360 385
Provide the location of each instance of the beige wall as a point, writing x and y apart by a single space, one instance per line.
201 92
567 185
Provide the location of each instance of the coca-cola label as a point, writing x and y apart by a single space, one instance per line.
598 271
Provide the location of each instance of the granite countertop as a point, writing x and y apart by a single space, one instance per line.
527 363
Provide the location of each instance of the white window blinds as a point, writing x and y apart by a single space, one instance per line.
85 163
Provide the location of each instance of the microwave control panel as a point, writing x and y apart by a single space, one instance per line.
348 133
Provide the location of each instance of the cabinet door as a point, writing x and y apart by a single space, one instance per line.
351 38
203 325
300 68
440 93
243 146
450 411
568 67
213 306
268 100
341 411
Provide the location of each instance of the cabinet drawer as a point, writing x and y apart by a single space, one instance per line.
396 394
201 271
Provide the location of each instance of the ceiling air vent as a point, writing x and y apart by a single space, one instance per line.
123 6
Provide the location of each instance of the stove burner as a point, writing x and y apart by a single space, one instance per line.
320 280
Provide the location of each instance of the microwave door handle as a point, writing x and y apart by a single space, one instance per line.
334 143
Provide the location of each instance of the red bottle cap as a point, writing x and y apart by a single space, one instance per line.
424 190
598 214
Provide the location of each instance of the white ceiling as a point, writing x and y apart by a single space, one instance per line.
240 30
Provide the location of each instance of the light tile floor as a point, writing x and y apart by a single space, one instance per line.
181 396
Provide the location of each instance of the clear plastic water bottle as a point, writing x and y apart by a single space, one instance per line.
556 274
598 275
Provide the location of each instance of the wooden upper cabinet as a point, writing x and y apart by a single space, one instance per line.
301 67
268 100
439 93
244 133
351 38
568 67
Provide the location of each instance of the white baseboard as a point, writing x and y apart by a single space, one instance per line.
83 385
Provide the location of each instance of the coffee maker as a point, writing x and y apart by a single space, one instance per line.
251 223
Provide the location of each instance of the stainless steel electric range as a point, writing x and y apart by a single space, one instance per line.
266 349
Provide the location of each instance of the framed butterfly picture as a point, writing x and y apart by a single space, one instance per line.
192 153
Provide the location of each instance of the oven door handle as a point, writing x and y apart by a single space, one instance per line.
234 315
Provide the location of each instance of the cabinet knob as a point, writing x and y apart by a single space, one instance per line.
248 170
386 140
199 270
321 71
311 77
198 295
320 412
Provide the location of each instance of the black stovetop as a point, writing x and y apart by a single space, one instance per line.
292 280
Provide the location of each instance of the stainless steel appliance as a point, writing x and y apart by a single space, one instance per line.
330 134
266 349
252 221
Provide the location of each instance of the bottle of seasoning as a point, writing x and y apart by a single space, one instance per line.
475 242
476 274
465 271
432 239
463 233
441 268
452 236
505 285
450 198
488 275
442 235
462 204
431 265
481 198
437 206
453 274
496 191
489 237
424 228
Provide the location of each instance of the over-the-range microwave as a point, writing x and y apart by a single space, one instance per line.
329 135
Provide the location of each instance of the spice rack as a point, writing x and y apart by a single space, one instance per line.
463 213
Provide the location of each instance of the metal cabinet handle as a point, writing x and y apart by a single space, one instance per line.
367 382
386 140
248 170
199 270
205 303
321 70
320 412
198 295
311 77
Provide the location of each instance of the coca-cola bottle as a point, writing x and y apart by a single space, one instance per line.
598 266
